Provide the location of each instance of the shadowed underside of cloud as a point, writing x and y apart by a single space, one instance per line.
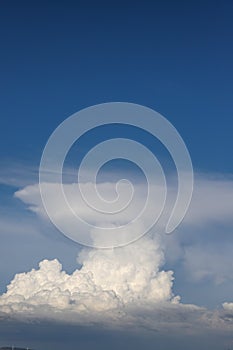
59 335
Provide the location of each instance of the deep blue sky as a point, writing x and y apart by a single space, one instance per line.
173 56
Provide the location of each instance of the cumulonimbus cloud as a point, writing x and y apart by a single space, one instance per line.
116 288
125 285
107 280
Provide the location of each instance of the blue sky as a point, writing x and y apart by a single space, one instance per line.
172 56
175 57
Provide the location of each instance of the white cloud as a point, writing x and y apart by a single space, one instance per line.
212 202
123 287
126 285
228 307
212 206
108 279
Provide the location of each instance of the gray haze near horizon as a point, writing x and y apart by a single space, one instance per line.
54 335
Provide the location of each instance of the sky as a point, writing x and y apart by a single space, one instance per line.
58 58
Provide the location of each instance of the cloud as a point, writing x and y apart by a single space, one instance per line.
118 288
107 280
211 203
204 252
228 307
122 287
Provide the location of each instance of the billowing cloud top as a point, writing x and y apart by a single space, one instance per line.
107 280
118 287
